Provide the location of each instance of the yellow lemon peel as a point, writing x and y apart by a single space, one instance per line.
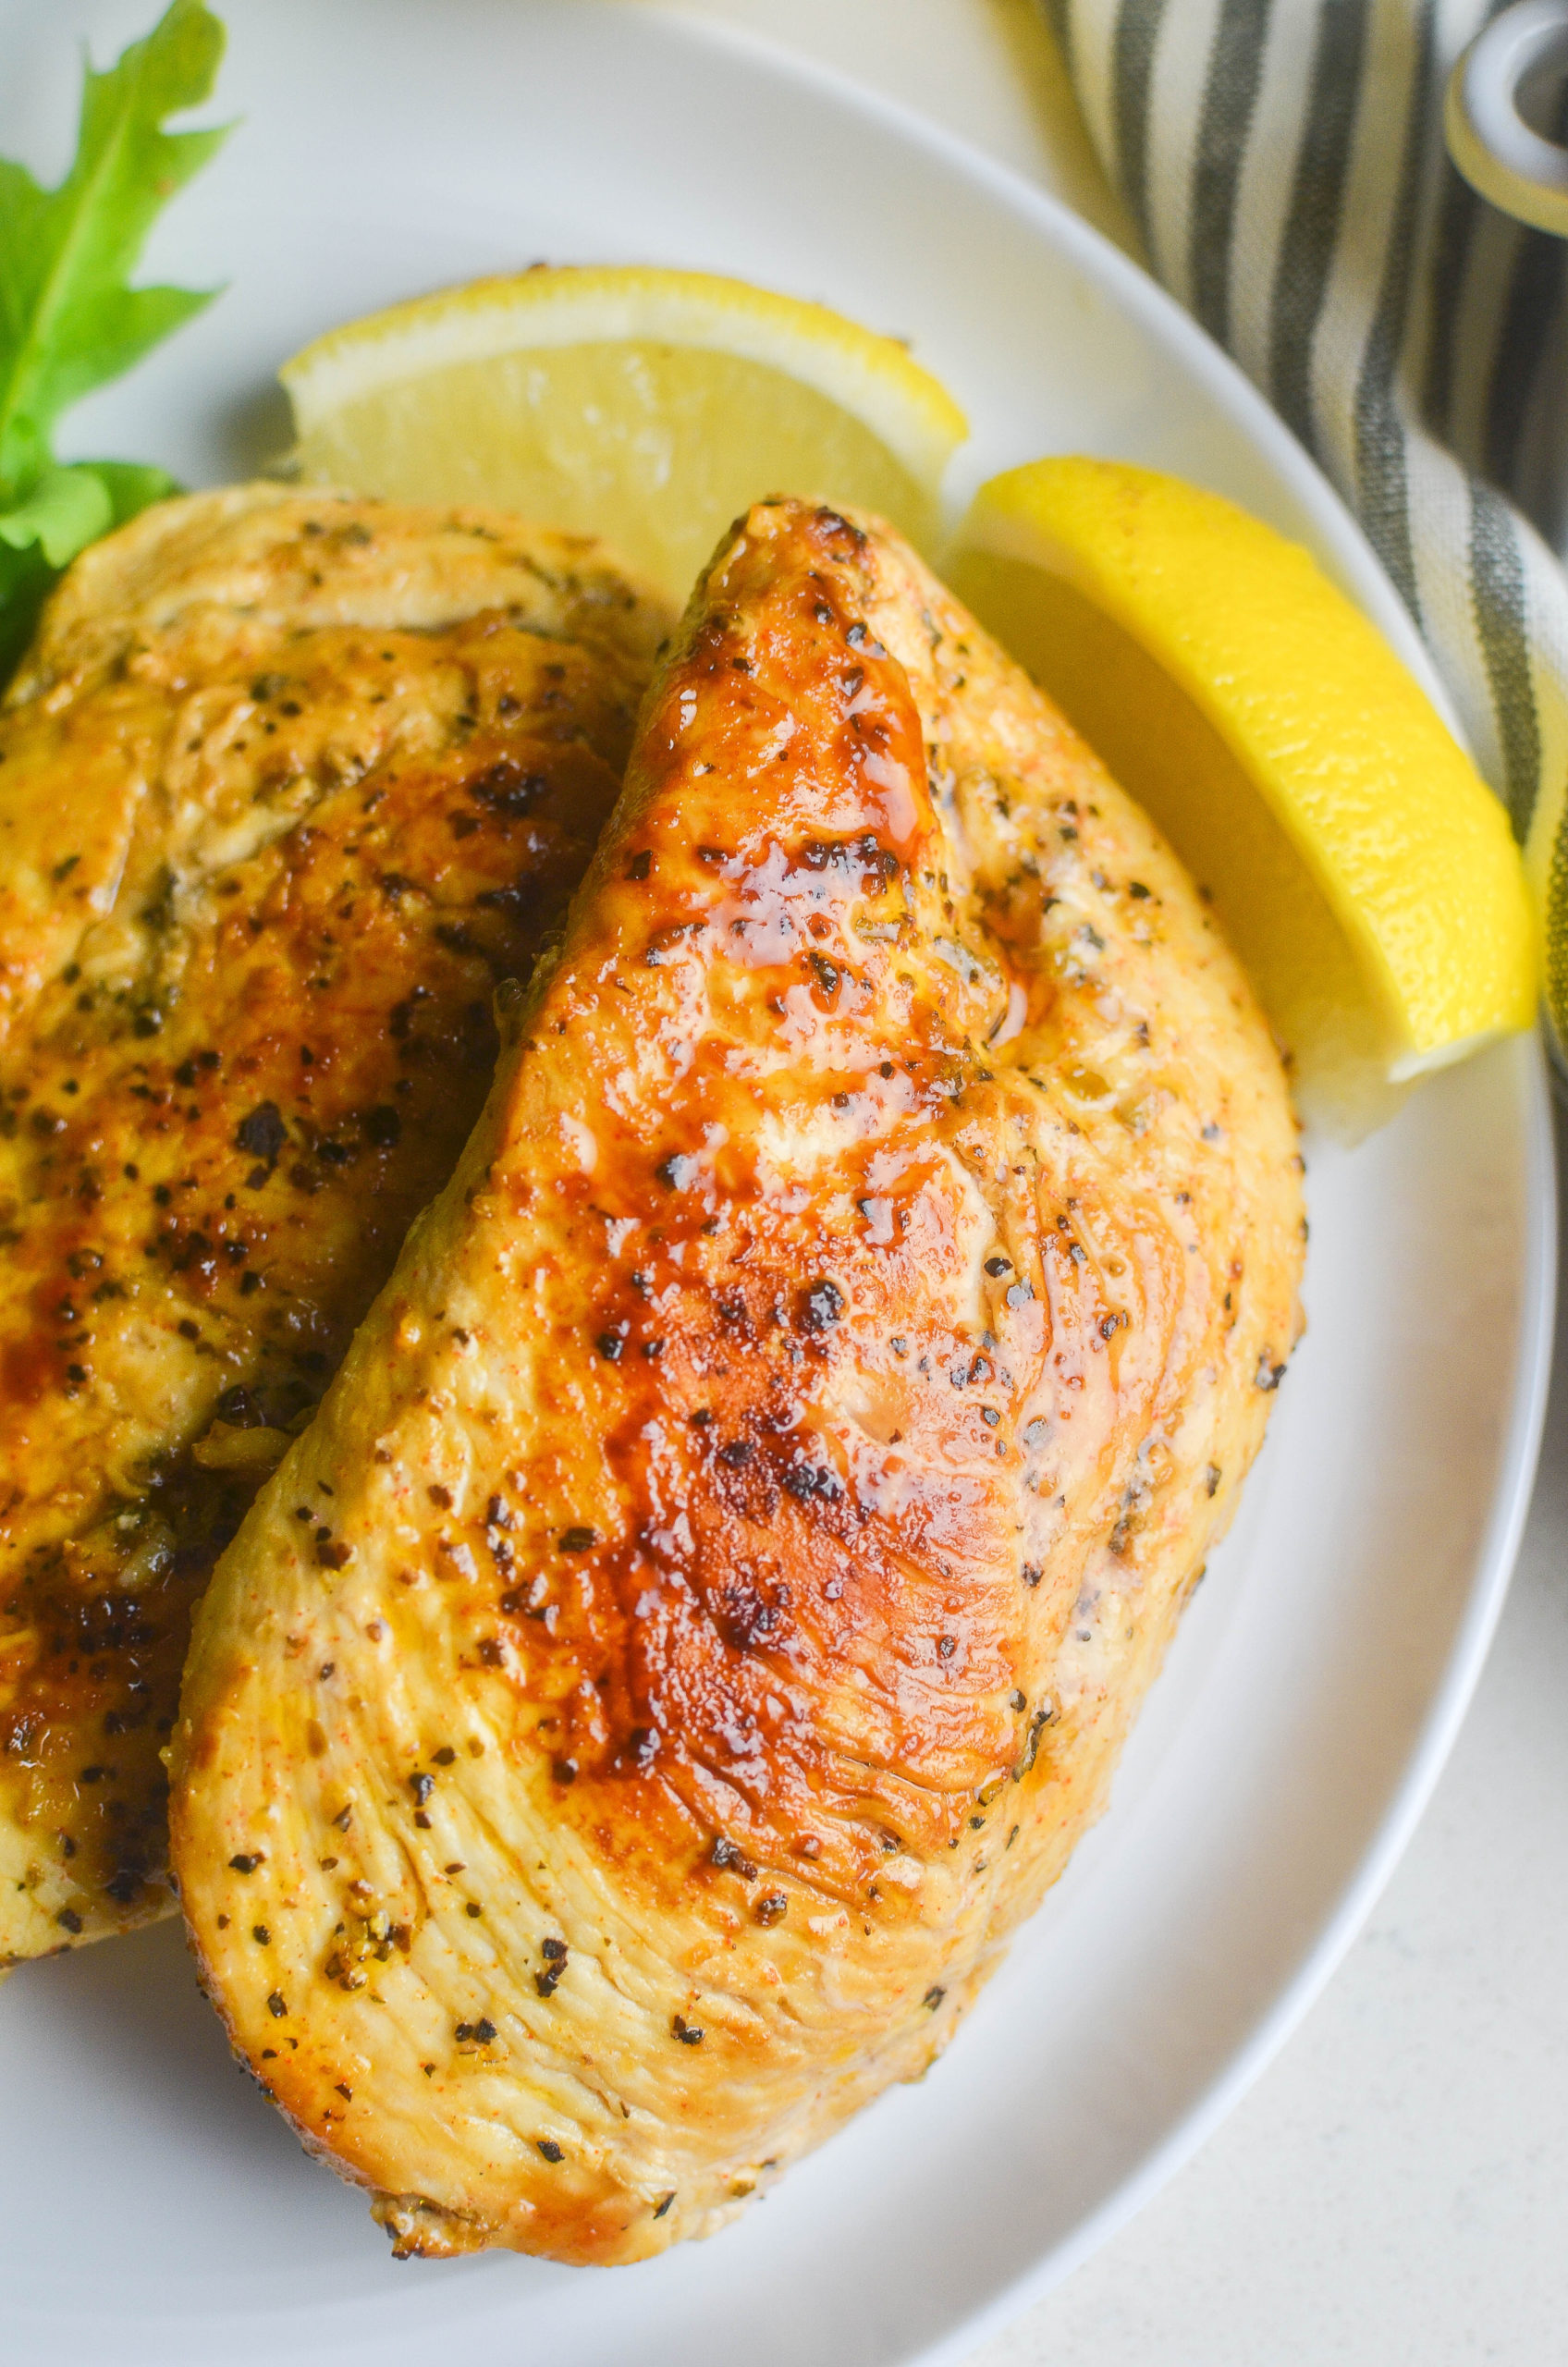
1358 861
647 407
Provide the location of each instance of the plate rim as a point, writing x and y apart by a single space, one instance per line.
1133 285
1131 282
1518 1456
1136 294
1135 288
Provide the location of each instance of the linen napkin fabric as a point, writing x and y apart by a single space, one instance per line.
1284 163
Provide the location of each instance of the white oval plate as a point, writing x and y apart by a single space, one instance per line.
152 2205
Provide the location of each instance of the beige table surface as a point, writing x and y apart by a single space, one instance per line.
1395 2187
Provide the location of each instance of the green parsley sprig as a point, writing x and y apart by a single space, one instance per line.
70 319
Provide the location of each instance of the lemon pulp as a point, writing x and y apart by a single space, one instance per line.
646 407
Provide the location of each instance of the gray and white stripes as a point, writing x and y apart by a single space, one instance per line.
1284 162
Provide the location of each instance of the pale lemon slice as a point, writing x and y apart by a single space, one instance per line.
1360 865
647 407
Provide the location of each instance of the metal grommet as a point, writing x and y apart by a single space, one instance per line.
1500 154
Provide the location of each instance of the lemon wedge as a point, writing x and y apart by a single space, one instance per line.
648 407
1358 863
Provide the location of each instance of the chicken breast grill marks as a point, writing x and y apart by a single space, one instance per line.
286 787
768 1482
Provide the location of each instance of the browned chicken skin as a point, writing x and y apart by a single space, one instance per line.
287 784
707 1608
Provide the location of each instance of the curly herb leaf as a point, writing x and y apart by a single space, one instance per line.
69 320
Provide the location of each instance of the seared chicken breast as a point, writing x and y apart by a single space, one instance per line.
708 1607
286 784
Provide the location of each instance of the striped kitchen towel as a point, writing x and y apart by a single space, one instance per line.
1284 163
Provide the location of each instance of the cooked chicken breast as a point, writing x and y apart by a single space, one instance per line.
708 1605
285 786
